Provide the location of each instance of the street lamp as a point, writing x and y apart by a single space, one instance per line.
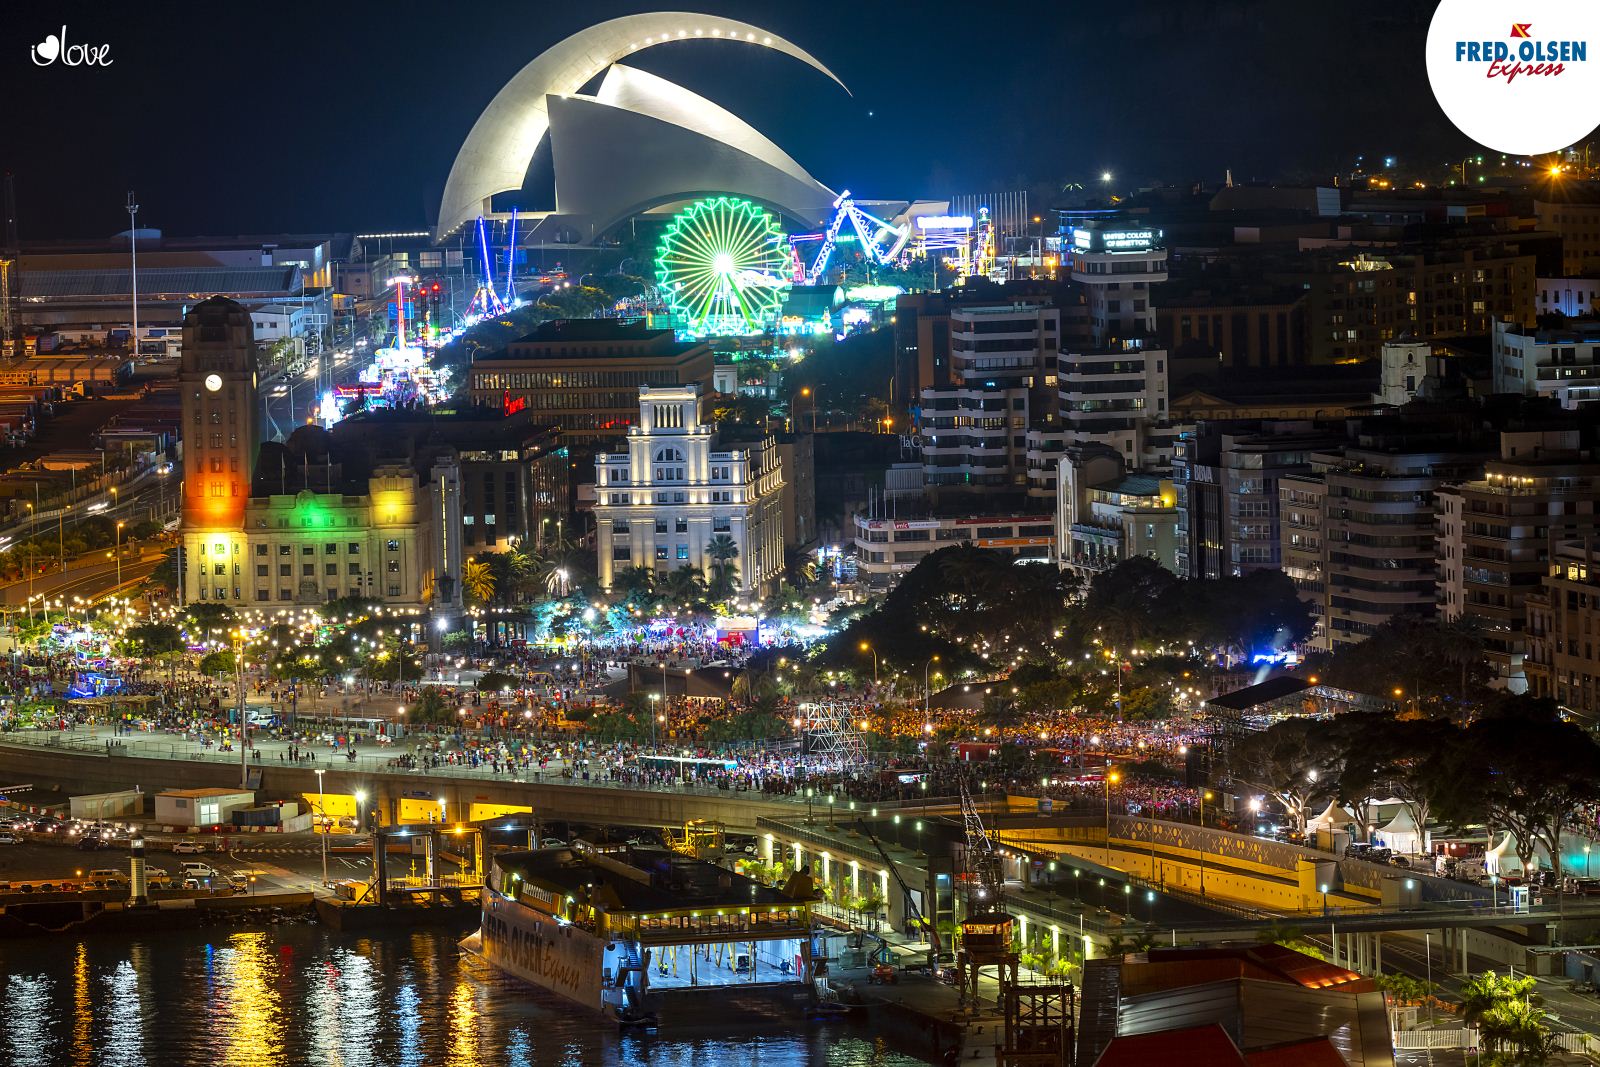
654 699
361 808
1112 778
804 392
925 689
1323 889
867 647
120 524
322 806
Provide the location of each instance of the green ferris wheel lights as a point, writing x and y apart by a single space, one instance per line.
721 266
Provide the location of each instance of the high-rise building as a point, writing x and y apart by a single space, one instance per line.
1560 362
1495 534
1578 223
1563 640
1226 477
680 493
1002 366
1113 385
584 375
1356 299
1376 533
217 380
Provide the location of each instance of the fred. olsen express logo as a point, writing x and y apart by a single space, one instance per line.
1522 54
1519 76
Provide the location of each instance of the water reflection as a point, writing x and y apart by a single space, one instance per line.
342 1008
82 1012
29 1020
303 996
463 1026
123 1042
246 1017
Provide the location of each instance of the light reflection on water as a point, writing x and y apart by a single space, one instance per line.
30 1020
305 995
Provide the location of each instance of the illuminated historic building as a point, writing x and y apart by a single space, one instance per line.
310 547
217 381
679 487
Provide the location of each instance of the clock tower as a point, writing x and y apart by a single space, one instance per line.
217 380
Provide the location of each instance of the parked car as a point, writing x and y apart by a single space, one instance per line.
188 846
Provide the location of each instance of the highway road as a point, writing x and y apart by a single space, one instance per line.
89 583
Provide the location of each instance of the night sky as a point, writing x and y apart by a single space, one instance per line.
245 118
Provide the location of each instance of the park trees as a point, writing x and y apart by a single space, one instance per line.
1519 767
1294 761
1382 756
1433 668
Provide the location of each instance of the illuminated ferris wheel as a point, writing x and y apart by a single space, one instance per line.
721 264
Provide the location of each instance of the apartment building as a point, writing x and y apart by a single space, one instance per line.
1562 661
1496 531
1225 480
886 549
974 430
1558 362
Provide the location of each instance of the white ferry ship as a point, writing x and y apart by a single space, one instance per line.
619 931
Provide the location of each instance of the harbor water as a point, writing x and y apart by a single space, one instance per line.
303 994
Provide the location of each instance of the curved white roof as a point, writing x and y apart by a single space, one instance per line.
496 154
635 90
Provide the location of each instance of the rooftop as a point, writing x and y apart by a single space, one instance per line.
642 880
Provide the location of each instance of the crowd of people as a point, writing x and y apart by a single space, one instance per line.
538 729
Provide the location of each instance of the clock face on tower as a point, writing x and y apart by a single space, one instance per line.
213 382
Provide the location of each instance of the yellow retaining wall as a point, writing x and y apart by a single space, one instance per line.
1243 881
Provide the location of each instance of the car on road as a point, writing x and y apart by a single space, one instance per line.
198 870
191 883
109 874
188 846
157 876
239 883
9 838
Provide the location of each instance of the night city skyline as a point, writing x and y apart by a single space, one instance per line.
800 534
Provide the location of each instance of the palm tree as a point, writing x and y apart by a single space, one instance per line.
723 550
1483 993
635 582
684 585
477 581
1516 1026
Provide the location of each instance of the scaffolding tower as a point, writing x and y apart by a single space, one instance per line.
1039 1025
832 740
